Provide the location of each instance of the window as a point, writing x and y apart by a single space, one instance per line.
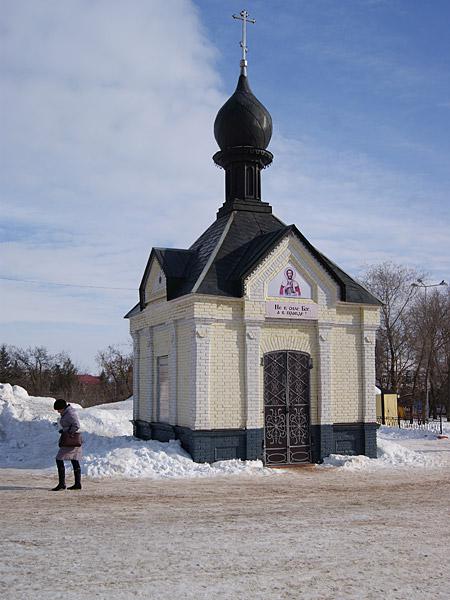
162 381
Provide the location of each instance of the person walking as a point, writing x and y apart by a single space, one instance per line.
70 425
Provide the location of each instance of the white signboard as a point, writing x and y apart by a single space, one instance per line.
281 309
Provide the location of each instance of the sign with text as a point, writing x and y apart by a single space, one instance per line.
291 310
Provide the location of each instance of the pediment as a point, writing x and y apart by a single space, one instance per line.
154 283
289 270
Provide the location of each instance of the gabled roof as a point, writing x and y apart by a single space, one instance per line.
174 261
351 291
175 264
220 259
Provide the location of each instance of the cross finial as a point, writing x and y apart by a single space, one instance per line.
243 16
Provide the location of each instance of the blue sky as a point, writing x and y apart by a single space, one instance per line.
107 143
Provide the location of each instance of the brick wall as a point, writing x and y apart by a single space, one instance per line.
185 335
226 391
215 347
346 370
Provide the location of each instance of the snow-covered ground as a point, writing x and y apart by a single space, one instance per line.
153 524
29 434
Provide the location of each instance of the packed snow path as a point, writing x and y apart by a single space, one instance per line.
322 534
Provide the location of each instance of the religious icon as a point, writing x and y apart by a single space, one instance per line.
290 286
288 283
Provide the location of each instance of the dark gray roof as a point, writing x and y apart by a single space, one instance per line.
203 249
243 228
133 311
175 262
176 265
220 259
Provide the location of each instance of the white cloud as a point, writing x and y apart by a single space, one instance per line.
357 211
108 136
107 152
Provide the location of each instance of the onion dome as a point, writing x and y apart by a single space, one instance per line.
243 120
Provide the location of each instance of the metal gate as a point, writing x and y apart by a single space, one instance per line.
286 407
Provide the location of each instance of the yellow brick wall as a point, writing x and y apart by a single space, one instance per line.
370 316
347 314
184 354
218 309
143 411
227 383
227 394
346 374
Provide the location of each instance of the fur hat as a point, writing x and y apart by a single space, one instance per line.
59 404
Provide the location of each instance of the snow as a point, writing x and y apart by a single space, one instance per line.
357 528
389 454
29 434
411 448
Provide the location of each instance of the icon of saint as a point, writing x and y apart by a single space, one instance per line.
289 286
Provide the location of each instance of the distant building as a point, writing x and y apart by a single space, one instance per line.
252 344
89 379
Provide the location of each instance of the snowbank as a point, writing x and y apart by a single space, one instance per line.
29 436
428 452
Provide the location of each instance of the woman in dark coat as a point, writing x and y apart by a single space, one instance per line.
68 423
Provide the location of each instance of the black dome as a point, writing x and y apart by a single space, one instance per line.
243 120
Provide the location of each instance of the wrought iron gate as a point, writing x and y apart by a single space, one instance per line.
286 407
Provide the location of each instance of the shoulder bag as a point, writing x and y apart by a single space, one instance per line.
70 440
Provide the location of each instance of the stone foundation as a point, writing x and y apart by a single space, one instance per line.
247 444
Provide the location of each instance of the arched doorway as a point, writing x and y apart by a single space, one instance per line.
286 407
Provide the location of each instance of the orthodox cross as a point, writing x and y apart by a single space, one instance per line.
243 16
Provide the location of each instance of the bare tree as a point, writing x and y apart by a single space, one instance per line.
117 369
40 372
427 323
35 365
391 283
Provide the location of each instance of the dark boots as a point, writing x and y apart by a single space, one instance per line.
61 476
77 473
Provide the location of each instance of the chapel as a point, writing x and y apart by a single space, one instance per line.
251 343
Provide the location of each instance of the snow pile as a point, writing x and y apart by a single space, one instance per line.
28 429
158 460
29 438
389 454
392 454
